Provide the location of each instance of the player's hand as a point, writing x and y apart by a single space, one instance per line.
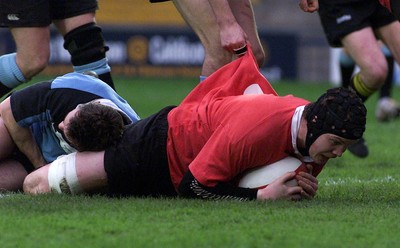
279 189
309 5
233 39
308 183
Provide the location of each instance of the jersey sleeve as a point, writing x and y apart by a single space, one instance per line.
224 156
248 137
190 187
28 104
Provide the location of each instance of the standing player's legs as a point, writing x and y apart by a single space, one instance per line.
200 17
373 71
85 42
390 34
244 14
31 57
33 49
75 20
387 108
352 26
29 26
369 57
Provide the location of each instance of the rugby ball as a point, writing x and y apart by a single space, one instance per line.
260 177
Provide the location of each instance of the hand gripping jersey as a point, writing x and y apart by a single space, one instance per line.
44 105
234 120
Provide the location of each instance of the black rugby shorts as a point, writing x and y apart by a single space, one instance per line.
40 13
339 20
138 165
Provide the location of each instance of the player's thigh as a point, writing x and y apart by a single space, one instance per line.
390 34
33 44
199 15
90 171
83 172
364 48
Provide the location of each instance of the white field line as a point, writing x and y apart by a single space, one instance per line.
350 180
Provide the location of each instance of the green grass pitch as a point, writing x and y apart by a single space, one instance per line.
357 203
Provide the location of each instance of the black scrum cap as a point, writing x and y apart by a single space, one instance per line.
339 111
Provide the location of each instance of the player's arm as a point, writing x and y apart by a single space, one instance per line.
22 136
75 173
231 33
190 187
206 186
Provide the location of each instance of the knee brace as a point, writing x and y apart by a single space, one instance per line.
62 175
85 44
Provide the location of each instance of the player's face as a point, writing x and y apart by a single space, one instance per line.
328 146
63 126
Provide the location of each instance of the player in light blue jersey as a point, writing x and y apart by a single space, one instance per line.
35 123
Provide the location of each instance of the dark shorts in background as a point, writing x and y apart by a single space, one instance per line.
338 20
40 13
138 165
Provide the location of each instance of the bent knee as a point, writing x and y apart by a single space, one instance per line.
34 65
375 76
37 65
36 183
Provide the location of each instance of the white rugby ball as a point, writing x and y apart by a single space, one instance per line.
262 176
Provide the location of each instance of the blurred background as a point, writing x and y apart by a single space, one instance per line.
152 40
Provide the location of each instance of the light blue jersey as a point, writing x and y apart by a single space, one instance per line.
43 106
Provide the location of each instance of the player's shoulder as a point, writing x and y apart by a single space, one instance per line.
78 81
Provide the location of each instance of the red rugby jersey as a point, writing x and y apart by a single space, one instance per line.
226 125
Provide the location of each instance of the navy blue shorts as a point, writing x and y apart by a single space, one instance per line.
40 13
138 165
339 20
